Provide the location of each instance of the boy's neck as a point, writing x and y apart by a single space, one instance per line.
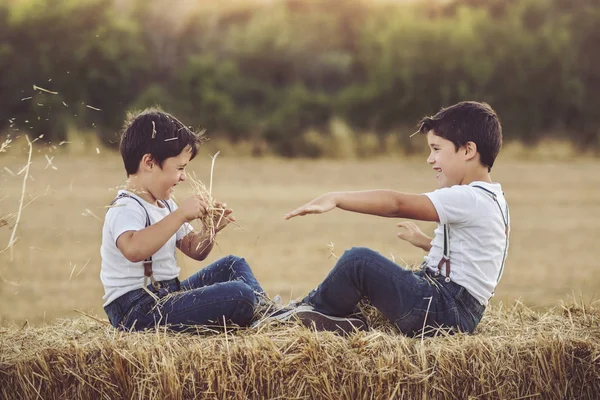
133 185
477 175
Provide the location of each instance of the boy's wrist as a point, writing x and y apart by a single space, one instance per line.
180 217
334 197
426 243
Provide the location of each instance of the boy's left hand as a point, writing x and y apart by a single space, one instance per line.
414 235
223 217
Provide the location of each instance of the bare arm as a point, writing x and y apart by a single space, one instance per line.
384 203
139 245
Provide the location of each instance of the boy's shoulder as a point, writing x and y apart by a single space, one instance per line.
123 204
462 203
123 199
458 192
475 188
124 214
127 203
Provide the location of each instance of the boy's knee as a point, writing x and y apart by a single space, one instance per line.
241 292
359 252
231 260
245 298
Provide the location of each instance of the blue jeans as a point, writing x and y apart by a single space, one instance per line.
222 293
411 300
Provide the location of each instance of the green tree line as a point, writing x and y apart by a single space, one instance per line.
271 71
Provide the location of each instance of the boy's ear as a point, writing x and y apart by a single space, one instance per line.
470 149
147 162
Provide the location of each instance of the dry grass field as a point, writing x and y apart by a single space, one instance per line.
536 347
55 265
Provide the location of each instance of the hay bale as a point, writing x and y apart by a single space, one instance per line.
515 353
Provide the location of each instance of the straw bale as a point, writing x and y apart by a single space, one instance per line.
515 353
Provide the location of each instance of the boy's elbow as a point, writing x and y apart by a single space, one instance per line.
398 208
132 254
127 247
201 257
134 257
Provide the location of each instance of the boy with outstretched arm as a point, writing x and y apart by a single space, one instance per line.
465 258
143 228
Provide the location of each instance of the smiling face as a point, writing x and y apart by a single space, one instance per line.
160 181
449 164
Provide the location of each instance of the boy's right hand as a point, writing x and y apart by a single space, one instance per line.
414 235
193 207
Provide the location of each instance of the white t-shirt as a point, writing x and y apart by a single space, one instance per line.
478 239
118 274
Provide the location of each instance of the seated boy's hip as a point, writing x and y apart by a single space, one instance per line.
118 308
469 309
458 292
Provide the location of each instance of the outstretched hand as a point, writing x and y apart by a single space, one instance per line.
317 206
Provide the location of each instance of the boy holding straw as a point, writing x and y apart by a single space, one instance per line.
143 227
465 258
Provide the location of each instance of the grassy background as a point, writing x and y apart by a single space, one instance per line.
55 265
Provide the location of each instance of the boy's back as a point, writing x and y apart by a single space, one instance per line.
478 222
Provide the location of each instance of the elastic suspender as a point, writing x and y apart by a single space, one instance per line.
147 263
493 195
506 220
446 256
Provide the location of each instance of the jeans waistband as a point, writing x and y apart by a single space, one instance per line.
457 291
172 285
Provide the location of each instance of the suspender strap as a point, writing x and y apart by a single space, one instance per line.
506 219
504 214
445 260
147 263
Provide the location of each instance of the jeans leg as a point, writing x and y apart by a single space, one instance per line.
405 298
362 272
226 269
229 302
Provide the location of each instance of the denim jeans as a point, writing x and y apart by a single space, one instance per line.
411 300
223 292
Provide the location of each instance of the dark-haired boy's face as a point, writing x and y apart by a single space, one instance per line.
163 180
446 161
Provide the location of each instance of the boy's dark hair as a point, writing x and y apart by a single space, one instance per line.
157 133
468 121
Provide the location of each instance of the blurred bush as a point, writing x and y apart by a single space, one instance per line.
306 77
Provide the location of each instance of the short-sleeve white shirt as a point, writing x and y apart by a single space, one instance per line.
118 274
478 231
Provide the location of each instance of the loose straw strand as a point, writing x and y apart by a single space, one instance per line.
12 236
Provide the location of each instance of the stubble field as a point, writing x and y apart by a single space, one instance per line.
54 267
